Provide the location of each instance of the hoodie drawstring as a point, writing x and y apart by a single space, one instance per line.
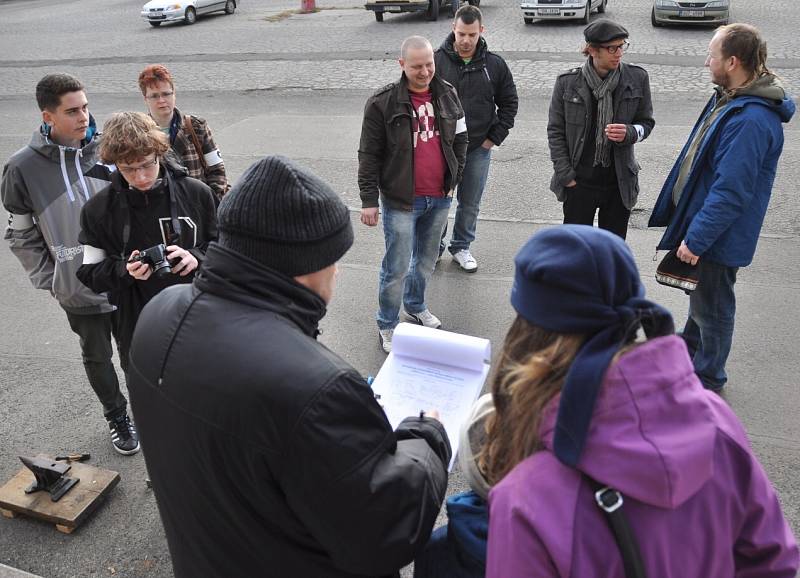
64 174
78 155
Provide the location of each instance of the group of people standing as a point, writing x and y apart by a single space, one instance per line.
269 454
77 226
428 137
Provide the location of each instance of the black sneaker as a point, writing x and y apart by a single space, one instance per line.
123 435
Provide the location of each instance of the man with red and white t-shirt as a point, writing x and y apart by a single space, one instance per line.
411 155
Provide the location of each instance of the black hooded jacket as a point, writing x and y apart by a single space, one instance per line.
485 88
103 220
268 454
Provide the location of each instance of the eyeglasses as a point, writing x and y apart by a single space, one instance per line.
614 48
159 95
133 170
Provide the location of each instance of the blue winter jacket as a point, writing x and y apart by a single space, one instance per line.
727 191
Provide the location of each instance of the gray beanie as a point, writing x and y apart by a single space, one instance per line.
283 216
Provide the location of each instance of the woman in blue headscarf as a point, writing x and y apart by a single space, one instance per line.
585 411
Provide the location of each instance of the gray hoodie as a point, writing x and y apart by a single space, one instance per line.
44 187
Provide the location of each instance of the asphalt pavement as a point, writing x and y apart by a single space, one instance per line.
271 82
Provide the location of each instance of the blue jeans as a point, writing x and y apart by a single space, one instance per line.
470 191
709 329
412 245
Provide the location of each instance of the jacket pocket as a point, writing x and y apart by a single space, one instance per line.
574 109
629 105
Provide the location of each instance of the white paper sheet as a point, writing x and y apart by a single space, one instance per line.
432 369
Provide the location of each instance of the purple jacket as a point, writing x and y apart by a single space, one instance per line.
697 498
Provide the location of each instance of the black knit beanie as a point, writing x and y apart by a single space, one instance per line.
280 214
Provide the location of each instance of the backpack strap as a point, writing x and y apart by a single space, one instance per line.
189 128
610 501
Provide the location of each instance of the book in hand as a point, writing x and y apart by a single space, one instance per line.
432 369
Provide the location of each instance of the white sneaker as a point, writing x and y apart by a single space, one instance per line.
425 318
385 336
465 259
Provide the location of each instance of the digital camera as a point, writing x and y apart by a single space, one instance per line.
156 258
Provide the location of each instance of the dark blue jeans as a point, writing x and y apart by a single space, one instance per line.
709 329
470 191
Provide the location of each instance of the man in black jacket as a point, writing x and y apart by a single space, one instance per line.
487 92
598 112
150 202
146 204
268 453
411 156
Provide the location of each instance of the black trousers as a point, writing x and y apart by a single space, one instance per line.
94 332
584 200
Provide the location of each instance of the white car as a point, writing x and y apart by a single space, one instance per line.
703 12
560 9
157 12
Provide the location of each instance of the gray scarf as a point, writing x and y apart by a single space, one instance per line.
602 89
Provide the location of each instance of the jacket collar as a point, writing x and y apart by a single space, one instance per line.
235 277
402 93
42 144
448 48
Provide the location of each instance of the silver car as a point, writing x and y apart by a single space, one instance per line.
561 9
705 13
156 12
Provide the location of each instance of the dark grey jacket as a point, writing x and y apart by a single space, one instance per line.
386 149
44 187
570 108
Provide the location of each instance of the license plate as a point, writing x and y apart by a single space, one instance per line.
153 17
691 13
392 9
548 11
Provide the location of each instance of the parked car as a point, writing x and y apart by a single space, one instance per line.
432 8
705 12
156 12
561 9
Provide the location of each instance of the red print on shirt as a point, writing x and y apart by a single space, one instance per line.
429 162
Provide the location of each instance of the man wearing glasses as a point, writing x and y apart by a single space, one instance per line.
148 229
598 111
190 137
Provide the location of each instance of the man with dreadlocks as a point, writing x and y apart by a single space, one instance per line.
598 112
714 200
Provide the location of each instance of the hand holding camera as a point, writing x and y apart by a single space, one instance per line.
182 261
160 260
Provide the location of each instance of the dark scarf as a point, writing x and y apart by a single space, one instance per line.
576 279
602 89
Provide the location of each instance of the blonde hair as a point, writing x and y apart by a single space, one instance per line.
530 373
130 136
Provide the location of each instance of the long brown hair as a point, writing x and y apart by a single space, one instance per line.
529 374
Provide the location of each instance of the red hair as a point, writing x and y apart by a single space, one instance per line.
152 75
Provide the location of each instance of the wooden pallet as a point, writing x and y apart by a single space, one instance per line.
71 510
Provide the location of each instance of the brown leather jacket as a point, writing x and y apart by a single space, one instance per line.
386 151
